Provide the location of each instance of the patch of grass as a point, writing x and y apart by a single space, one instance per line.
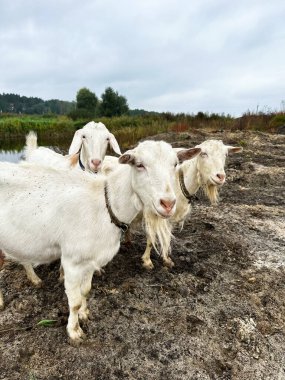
47 322
32 376
21 125
242 143
278 120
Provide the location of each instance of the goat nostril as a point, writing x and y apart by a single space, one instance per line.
168 205
221 176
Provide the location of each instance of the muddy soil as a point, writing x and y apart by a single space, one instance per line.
219 314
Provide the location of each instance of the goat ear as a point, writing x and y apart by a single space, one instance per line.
186 154
76 142
127 158
114 144
234 149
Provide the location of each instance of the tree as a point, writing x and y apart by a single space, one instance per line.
112 103
86 102
86 99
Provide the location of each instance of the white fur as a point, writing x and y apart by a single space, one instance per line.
92 139
46 214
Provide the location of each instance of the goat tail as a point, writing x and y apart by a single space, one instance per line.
31 143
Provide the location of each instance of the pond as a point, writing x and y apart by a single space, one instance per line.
10 155
11 150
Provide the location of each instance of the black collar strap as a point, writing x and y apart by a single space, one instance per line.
79 159
185 192
123 226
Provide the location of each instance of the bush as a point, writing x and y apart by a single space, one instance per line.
81 113
278 120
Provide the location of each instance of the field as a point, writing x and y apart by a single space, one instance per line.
129 129
219 314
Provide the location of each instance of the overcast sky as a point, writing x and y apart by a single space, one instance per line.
163 55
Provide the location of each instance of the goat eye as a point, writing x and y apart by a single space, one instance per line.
107 139
83 136
140 166
203 154
175 164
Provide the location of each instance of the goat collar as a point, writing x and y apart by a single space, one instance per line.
79 160
183 188
123 226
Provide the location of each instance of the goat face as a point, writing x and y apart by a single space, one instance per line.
93 139
211 162
153 173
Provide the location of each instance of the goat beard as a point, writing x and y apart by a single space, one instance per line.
211 191
159 231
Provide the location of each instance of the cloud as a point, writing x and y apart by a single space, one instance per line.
180 56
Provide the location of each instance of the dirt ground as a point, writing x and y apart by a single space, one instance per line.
219 314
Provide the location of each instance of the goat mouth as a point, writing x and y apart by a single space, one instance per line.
93 170
162 215
216 183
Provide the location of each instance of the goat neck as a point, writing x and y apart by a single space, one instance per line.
191 179
123 201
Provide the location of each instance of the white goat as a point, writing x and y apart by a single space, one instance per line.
86 152
90 143
206 171
46 214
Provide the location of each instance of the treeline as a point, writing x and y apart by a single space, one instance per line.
16 104
87 105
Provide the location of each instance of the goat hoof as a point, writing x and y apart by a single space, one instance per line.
168 263
76 336
38 283
75 342
148 265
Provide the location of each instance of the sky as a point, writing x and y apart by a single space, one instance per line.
179 56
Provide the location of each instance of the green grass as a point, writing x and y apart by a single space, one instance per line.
20 125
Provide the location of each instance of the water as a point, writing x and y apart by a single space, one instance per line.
11 155
12 150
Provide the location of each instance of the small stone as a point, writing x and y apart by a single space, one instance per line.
255 355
